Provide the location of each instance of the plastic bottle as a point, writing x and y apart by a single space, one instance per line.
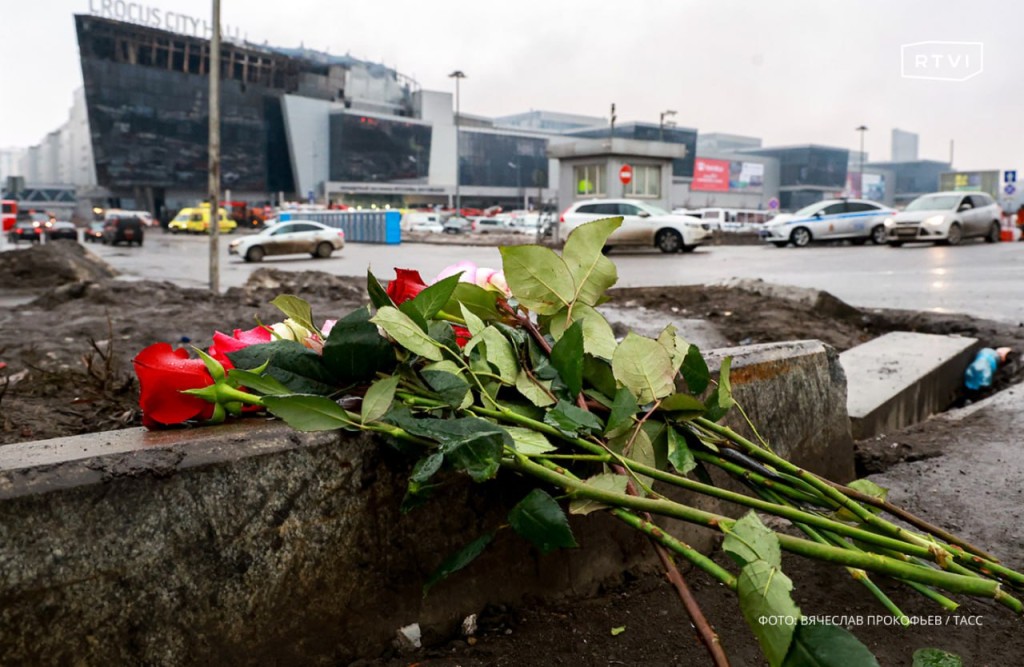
979 373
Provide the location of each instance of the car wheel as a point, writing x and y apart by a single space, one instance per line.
323 250
994 233
895 244
878 234
800 237
954 236
669 241
780 244
254 254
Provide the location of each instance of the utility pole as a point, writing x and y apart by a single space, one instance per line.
611 126
215 150
860 188
458 75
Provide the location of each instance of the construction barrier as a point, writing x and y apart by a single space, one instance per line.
359 226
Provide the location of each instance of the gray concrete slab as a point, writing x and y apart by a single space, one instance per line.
903 377
650 323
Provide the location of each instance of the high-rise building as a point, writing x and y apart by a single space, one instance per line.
904 146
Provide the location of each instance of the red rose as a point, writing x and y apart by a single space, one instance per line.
406 285
224 344
462 335
163 374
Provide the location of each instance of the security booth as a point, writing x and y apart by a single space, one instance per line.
615 168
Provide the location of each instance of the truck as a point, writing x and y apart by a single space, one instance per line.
10 214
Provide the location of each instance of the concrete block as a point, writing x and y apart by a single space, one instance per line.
248 543
902 378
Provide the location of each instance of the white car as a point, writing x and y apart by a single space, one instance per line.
431 223
289 238
947 218
643 224
858 220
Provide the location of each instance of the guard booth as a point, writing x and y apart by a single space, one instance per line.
615 168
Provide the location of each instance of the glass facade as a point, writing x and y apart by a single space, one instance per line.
815 166
372 149
681 167
590 179
149 117
914 178
502 160
646 182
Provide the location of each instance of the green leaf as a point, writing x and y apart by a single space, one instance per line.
308 413
355 352
867 487
679 454
750 540
683 406
378 398
300 369
598 374
820 645
591 271
431 300
933 657
567 358
695 370
529 442
458 560
213 367
296 308
676 346
538 278
473 323
408 334
444 334
644 367
426 468
413 314
538 518
378 295
500 353
623 408
764 592
450 387
618 630
481 302
572 420
604 482
533 391
598 337
721 399
263 384
479 454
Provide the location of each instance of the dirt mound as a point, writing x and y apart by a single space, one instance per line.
51 264
264 284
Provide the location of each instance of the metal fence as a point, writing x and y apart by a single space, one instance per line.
359 226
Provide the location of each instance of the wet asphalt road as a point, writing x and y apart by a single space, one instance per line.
985 280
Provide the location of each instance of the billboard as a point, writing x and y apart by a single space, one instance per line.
710 175
985 181
746 176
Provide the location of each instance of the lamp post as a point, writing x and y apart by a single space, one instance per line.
661 123
458 75
860 188
214 150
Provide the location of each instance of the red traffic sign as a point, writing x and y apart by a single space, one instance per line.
626 174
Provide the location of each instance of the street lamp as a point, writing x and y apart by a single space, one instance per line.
862 129
458 75
661 123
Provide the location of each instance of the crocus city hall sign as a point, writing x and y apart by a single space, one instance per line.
154 17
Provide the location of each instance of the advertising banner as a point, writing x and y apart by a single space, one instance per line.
710 175
746 176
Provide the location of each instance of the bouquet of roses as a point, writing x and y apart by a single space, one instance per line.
485 370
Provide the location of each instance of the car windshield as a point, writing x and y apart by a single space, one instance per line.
934 203
807 211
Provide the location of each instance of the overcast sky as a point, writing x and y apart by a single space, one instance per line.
790 72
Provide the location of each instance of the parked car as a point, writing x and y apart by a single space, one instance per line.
457 225
94 232
145 216
857 220
288 238
643 224
529 225
126 229
25 230
196 220
60 230
946 218
492 226
417 221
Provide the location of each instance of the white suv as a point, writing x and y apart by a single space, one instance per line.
643 224
945 217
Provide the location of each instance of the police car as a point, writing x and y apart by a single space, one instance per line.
858 220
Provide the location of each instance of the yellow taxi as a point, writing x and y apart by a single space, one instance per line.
196 220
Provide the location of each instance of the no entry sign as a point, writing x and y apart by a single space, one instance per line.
626 174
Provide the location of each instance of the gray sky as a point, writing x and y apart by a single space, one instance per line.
791 72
